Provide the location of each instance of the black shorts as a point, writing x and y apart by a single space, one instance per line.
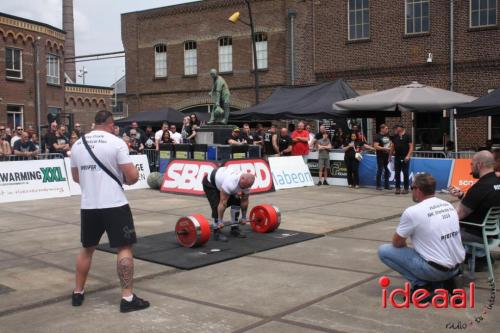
117 222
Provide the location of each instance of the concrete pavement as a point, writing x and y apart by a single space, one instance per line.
329 284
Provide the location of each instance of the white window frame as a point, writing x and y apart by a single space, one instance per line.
225 54
161 63
53 70
349 22
190 58
421 18
21 107
20 70
479 11
262 48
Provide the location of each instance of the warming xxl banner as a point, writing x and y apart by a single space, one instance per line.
29 180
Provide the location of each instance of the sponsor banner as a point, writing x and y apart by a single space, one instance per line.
186 176
440 168
30 180
461 176
337 174
140 162
290 172
258 167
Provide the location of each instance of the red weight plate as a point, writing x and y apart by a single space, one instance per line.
192 230
278 217
263 218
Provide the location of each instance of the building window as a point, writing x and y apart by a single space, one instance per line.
190 58
118 108
359 19
161 60
261 47
13 63
15 116
53 76
483 13
225 54
417 16
495 129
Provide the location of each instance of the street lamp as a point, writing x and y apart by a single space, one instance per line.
235 18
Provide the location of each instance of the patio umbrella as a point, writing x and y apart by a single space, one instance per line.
488 105
414 97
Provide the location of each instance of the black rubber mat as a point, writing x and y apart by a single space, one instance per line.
163 248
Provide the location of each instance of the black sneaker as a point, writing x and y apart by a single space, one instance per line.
236 232
135 304
325 182
77 299
319 183
219 236
379 188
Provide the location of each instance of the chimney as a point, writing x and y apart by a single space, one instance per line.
69 48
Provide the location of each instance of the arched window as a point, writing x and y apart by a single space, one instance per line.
225 54
190 58
261 47
160 60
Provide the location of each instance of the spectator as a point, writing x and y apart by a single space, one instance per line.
188 132
62 132
319 135
338 138
300 139
267 142
282 143
353 147
176 136
78 130
258 135
359 134
311 137
235 138
24 147
246 135
30 131
57 142
474 204
383 148
195 122
165 138
49 135
73 138
17 135
8 134
139 133
149 138
136 146
291 128
496 155
402 148
36 142
4 147
323 145
159 134
116 131
432 224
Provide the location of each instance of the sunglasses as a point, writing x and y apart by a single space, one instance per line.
19 129
77 126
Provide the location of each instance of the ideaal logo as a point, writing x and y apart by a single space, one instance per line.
46 175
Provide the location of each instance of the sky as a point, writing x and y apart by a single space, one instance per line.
97 29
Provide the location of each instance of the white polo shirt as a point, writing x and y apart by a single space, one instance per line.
176 137
99 190
434 230
228 180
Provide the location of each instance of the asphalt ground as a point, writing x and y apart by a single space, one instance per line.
329 284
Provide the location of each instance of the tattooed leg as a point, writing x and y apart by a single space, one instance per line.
125 270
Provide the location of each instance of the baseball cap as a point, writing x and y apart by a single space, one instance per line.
236 129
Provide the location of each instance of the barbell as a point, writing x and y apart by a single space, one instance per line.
194 230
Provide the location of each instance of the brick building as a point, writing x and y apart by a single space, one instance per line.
373 45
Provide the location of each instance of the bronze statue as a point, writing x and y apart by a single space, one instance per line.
220 97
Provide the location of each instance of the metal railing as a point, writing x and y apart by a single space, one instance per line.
153 156
461 154
429 154
45 156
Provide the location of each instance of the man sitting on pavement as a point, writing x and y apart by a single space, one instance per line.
474 205
432 224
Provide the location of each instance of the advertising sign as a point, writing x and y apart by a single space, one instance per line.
186 176
337 174
290 172
461 176
30 180
258 167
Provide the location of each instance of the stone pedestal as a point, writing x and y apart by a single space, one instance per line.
213 134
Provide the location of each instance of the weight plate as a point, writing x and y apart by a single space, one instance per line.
192 230
263 218
278 217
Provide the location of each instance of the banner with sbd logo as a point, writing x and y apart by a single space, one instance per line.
29 180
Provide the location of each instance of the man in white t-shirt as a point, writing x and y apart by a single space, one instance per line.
432 224
159 134
174 135
226 187
104 207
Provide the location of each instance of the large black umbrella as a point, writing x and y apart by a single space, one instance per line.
488 105
154 117
310 102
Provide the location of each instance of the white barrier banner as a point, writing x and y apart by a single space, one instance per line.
140 162
290 172
30 180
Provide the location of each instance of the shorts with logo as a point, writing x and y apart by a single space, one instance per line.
117 222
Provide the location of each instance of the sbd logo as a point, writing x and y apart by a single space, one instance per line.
457 300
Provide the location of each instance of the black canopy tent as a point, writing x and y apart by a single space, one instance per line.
153 117
310 102
488 105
